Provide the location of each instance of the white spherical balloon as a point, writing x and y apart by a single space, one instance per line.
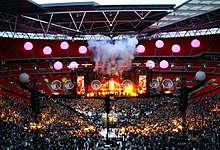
200 76
24 77
73 65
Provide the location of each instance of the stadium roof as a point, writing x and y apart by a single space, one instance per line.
77 19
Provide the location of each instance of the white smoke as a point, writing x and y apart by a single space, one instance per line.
111 57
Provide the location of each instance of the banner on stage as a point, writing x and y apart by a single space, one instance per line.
80 84
142 83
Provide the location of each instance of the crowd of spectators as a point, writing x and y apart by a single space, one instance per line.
143 123
210 101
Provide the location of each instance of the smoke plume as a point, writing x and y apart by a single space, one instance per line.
113 57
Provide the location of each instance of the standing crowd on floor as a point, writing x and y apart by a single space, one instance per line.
143 123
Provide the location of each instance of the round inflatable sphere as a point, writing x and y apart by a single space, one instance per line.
24 77
200 76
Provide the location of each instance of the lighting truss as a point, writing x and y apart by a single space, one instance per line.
23 35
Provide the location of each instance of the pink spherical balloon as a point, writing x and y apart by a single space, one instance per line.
195 43
159 44
150 64
28 46
47 50
176 48
73 65
140 49
58 65
82 49
64 45
164 64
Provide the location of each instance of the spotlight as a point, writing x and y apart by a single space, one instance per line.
20 68
172 65
204 65
46 80
51 66
177 79
188 65
168 92
159 78
35 68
